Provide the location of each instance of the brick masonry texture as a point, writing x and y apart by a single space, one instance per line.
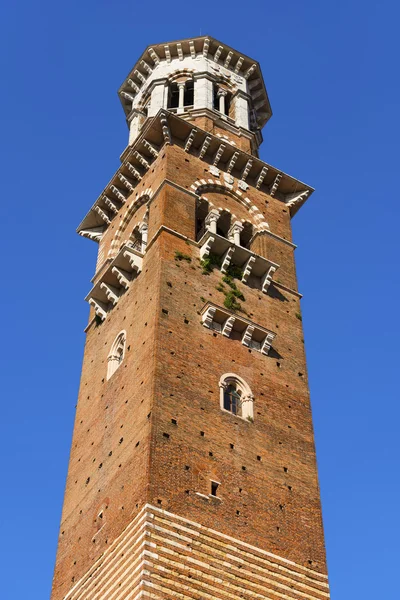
154 432
162 555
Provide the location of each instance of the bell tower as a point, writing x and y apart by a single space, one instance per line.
192 471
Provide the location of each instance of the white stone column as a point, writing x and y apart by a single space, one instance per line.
203 93
221 95
211 220
158 98
144 229
241 107
134 128
234 232
181 88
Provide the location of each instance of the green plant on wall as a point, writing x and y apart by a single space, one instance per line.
181 256
209 263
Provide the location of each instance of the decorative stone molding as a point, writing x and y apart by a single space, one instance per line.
115 280
153 151
103 216
165 128
204 146
221 320
134 171
246 169
218 154
154 56
208 316
190 139
206 46
111 205
144 197
275 184
267 278
123 277
117 354
232 162
262 176
296 198
125 181
214 171
95 234
232 253
142 160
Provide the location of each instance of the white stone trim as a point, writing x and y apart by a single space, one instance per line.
116 354
254 336
246 398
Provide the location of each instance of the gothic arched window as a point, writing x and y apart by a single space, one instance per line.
116 355
236 396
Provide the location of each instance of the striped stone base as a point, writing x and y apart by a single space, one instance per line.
163 556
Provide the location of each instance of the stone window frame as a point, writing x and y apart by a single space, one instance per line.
247 397
116 354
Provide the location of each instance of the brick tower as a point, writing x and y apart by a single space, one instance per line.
192 472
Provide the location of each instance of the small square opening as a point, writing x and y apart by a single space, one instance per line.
214 488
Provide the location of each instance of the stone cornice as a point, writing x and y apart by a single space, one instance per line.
168 128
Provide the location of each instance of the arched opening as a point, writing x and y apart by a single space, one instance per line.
188 98
246 234
224 223
202 208
236 396
116 355
232 398
173 96
222 100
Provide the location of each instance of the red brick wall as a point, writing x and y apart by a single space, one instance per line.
121 459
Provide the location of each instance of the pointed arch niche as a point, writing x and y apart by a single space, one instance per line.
116 354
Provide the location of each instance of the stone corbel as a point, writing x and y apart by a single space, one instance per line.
204 146
293 199
261 177
123 276
266 344
247 335
102 215
95 233
266 280
206 247
99 308
227 328
126 182
141 159
232 162
208 317
275 184
134 261
226 260
118 194
111 292
110 204
189 140
248 268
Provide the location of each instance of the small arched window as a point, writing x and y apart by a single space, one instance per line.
232 398
116 355
236 396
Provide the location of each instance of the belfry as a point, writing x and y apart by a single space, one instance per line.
192 472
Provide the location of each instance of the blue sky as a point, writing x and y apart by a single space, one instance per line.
331 70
